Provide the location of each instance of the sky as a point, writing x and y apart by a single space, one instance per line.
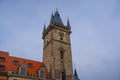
95 34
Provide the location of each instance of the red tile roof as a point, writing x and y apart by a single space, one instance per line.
9 66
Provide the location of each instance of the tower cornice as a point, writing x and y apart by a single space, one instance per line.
56 26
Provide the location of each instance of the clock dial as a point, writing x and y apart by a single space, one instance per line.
61 34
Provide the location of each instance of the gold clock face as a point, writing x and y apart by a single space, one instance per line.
61 34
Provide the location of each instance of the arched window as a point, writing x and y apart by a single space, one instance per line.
64 75
42 74
23 69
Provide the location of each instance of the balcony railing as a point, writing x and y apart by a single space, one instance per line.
32 76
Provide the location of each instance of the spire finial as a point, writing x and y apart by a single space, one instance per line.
56 9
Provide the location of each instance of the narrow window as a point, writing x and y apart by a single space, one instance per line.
2 67
2 59
61 54
63 75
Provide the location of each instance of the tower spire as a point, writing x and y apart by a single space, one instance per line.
55 18
52 18
68 23
76 75
44 28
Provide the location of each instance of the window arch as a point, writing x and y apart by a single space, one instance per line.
42 72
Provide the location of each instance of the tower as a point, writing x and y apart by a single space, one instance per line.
57 49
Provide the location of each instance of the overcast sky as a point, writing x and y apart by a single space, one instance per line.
95 34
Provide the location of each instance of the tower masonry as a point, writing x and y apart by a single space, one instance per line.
57 55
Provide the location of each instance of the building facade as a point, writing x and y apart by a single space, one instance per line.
14 68
57 49
57 57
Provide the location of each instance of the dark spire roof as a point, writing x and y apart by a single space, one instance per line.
76 75
44 28
68 23
52 18
56 18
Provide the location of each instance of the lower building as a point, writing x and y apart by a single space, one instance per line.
14 68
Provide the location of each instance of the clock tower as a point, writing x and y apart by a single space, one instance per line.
57 55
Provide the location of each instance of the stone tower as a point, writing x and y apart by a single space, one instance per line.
57 49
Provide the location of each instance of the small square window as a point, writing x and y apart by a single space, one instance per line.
2 67
2 59
15 62
29 65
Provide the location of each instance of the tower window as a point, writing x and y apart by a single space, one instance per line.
61 54
61 38
2 67
63 75
2 59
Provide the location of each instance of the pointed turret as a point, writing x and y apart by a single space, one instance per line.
44 28
68 23
76 75
52 18
56 18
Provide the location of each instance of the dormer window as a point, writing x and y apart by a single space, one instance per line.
2 59
15 62
29 65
